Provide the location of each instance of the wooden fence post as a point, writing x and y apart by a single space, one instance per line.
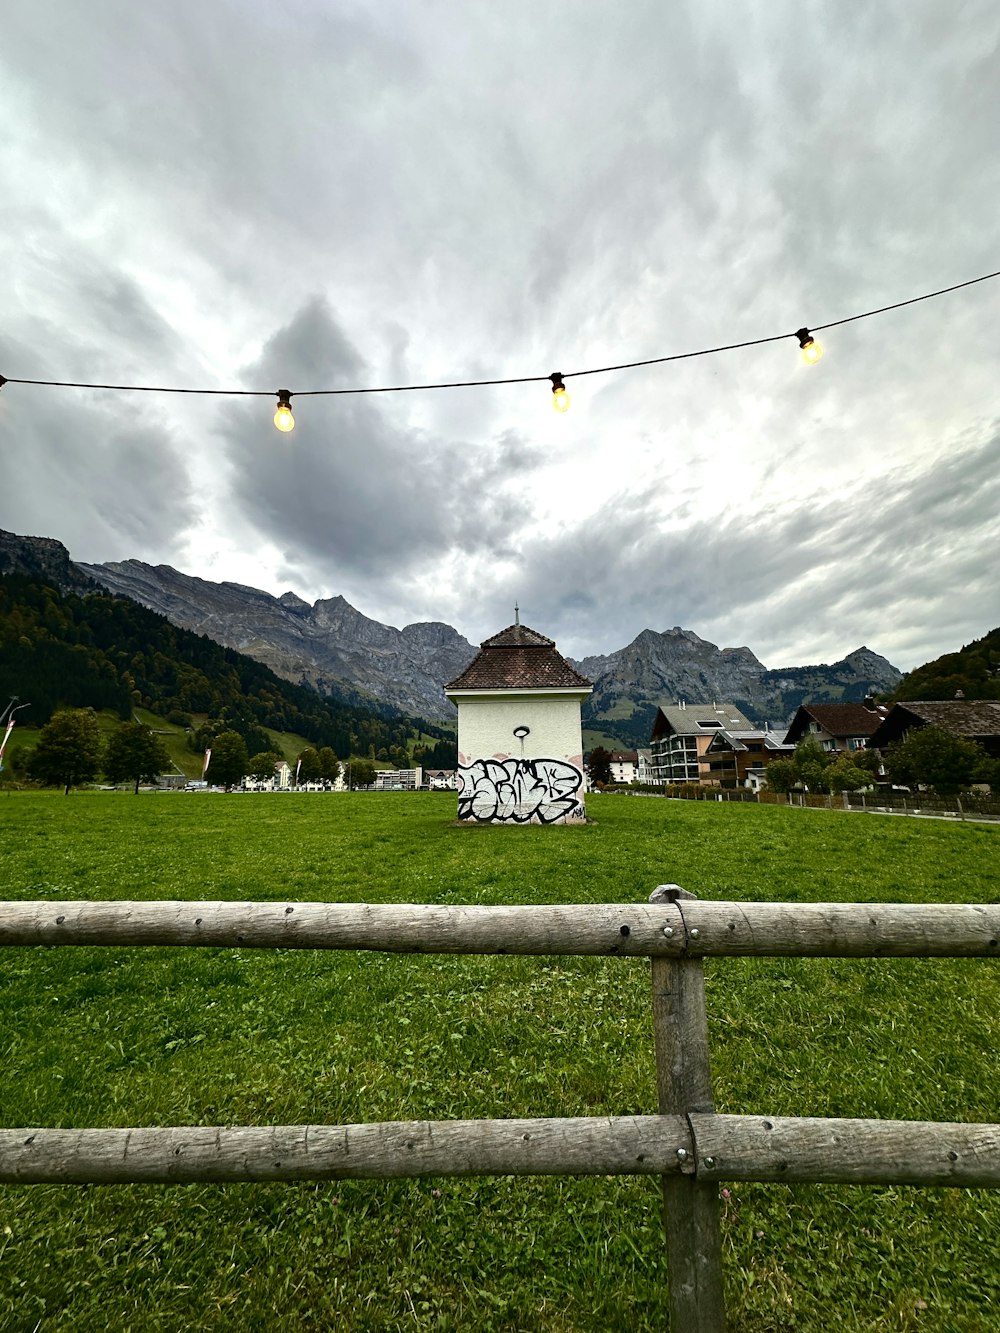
684 1085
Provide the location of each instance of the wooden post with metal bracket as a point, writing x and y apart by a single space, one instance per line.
684 1085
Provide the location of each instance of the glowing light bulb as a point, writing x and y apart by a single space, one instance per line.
811 350
560 398
283 418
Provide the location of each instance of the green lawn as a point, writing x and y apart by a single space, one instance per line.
132 1037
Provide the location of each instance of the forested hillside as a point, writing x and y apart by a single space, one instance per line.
974 669
62 649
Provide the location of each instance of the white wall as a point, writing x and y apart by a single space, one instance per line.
486 727
533 779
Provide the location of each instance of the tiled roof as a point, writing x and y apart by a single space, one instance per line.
960 717
518 636
518 658
969 717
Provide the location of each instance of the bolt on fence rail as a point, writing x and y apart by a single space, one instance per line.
688 1144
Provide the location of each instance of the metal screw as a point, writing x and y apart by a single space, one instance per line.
668 930
710 1163
682 1153
695 933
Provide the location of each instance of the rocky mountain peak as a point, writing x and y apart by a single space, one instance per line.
42 558
292 602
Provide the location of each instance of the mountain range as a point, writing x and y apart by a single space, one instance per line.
337 650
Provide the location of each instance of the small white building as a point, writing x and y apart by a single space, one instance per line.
520 740
624 765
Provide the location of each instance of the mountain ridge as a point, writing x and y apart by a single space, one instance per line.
330 645
340 652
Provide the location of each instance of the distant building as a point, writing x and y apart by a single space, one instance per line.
682 733
836 727
441 779
742 757
974 719
281 781
624 765
398 779
520 740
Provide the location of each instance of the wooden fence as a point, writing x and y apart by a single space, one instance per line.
688 1145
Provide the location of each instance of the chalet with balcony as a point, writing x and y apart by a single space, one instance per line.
837 727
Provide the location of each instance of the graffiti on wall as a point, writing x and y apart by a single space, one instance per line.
520 791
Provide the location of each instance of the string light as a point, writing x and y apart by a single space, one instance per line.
811 352
560 398
283 418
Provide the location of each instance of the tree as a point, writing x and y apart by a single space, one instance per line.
782 776
599 765
812 761
847 775
362 772
68 750
309 767
262 765
229 761
930 757
329 764
135 754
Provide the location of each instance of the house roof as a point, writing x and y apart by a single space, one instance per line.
623 757
518 636
698 719
518 658
737 740
840 720
975 718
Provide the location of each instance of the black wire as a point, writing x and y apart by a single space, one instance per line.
520 379
144 388
849 319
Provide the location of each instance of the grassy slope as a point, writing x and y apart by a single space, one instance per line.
592 738
90 1037
286 743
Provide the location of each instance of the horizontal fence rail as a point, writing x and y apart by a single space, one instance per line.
688 1145
845 1152
708 1147
586 1146
673 929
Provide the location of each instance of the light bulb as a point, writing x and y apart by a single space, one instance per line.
283 418
560 398
811 350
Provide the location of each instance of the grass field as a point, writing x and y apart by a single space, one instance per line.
132 1037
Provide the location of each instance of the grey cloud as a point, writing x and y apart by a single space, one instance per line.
843 570
97 473
351 490
485 196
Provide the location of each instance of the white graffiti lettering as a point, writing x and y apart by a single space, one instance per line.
520 791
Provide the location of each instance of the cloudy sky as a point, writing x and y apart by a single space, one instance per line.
319 194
